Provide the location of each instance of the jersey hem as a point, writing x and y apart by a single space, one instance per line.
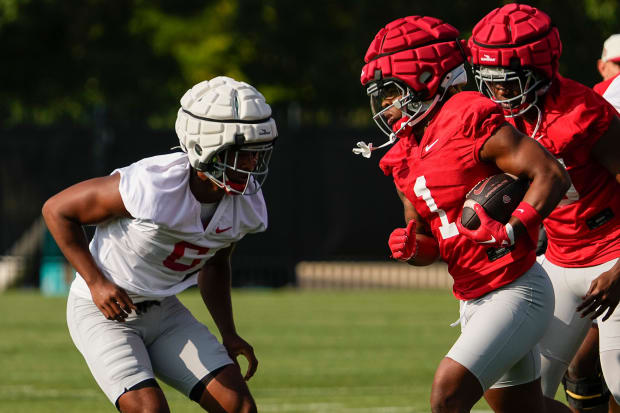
481 291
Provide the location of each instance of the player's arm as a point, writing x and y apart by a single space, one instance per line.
415 243
604 292
606 150
89 202
517 154
214 282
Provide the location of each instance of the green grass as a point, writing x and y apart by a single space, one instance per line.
319 351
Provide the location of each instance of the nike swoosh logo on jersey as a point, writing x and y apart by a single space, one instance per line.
492 240
428 147
520 210
219 231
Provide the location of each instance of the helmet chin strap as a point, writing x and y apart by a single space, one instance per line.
534 105
231 187
538 117
238 188
538 121
365 149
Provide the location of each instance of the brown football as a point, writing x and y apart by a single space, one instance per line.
499 195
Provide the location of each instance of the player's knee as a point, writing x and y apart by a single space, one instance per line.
586 393
246 405
238 403
443 400
143 406
144 397
455 388
147 409
445 403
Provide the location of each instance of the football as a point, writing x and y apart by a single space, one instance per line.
499 195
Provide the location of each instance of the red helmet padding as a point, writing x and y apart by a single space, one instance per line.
410 46
516 31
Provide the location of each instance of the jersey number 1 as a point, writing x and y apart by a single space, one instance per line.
447 229
171 260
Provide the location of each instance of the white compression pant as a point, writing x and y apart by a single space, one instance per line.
567 329
499 331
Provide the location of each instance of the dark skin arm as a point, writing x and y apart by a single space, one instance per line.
89 203
604 292
214 284
519 155
607 149
427 245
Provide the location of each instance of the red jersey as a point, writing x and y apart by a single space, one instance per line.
584 229
437 174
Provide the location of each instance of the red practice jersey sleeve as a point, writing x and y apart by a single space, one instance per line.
439 173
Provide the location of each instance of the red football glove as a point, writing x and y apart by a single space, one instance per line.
402 242
490 232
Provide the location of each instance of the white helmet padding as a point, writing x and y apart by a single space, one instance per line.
217 119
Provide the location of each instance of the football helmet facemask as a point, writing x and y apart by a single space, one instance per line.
392 93
516 91
226 129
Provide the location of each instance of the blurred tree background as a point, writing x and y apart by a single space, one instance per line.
63 61
90 85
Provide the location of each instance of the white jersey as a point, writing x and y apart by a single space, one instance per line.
610 90
159 251
612 93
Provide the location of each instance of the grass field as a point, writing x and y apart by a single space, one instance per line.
319 351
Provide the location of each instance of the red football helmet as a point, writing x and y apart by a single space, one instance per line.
409 65
515 45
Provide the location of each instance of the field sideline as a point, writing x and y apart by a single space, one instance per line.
320 351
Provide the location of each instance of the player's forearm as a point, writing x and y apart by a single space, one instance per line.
606 150
215 289
72 242
427 251
547 190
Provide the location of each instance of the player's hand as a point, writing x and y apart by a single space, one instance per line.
603 295
403 243
236 346
111 300
490 232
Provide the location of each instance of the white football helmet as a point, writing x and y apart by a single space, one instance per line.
218 120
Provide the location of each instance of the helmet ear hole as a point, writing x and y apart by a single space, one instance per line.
425 77
514 63
198 149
